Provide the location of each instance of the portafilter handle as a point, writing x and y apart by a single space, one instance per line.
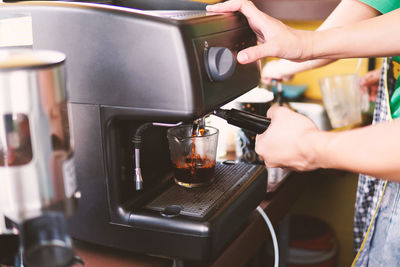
244 120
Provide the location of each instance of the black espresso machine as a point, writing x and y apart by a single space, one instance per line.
127 67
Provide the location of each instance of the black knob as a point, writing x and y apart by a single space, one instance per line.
220 63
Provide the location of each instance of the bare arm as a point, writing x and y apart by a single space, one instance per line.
278 40
294 141
376 37
339 17
354 150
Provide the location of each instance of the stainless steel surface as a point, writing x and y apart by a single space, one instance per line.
36 166
138 173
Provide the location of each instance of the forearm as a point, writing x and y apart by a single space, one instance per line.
292 67
278 40
367 38
338 18
354 151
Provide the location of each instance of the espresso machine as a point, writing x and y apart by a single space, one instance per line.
37 175
133 74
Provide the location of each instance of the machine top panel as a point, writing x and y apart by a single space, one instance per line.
179 14
152 64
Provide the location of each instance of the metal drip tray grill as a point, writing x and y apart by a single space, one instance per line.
198 202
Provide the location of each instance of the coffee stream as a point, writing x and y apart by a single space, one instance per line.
196 170
198 130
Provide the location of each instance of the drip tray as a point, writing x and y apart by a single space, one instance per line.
199 202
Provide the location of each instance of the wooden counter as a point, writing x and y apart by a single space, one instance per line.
238 252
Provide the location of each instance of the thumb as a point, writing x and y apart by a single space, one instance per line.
251 54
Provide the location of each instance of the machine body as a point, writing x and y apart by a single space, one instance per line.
129 67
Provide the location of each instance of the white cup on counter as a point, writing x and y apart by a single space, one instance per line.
342 99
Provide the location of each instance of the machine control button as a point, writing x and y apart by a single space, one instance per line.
220 63
171 211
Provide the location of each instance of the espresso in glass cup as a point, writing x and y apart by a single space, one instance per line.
193 155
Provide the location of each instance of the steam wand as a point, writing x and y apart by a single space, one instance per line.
243 119
137 140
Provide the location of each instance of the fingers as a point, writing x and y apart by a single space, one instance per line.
367 80
246 7
228 6
259 146
279 70
250 11
271 71
252 54
260 149
370 83
269 81
273 110
373 91
371 78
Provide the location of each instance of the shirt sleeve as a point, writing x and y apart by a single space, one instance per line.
383 6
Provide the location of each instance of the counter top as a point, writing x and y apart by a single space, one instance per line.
238 252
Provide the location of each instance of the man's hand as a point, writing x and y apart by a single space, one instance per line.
289 140
276 70
275 38
370 83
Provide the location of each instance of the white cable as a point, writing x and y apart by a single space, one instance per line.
273 235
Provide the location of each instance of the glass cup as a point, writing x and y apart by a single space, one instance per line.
193 157
342 99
